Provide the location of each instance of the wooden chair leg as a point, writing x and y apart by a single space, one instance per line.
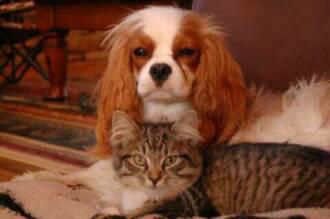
55 48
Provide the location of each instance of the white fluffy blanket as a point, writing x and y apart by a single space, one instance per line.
45 200
50 200
301 115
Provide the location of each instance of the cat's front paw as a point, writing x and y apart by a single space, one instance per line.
110 211
106 216
152 216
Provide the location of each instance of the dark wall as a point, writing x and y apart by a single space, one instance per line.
275 41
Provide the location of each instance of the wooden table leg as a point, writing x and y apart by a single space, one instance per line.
55 48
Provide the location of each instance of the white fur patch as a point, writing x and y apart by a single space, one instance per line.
158 112
133 199
301 117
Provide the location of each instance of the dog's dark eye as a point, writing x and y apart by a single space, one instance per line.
186 52
140 52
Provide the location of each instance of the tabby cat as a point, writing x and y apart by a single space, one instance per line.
151 164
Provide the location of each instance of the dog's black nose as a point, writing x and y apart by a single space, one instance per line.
160 71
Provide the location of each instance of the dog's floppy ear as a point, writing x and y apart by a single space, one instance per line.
219 94
117 88
186 128
124 129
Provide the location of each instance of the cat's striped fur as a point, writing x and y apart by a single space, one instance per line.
254 178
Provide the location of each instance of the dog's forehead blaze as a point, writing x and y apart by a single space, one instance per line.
141 41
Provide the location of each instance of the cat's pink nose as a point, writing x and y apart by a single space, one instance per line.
154 181
154 178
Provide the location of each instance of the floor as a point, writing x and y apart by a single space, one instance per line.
82 78
10 168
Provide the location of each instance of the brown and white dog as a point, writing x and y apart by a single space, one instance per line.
164 61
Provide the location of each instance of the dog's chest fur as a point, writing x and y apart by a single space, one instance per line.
158 112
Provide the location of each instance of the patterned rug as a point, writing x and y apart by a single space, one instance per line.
50 139
41 129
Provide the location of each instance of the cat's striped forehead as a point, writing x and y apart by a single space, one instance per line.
157 137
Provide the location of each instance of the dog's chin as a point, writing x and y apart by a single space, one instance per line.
158 96
163 96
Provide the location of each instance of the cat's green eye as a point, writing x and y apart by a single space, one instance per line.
170 161
139 160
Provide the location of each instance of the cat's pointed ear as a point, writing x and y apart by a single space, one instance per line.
186 128
124 129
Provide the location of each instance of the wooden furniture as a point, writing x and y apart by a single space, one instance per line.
55 17
275 41
17 56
